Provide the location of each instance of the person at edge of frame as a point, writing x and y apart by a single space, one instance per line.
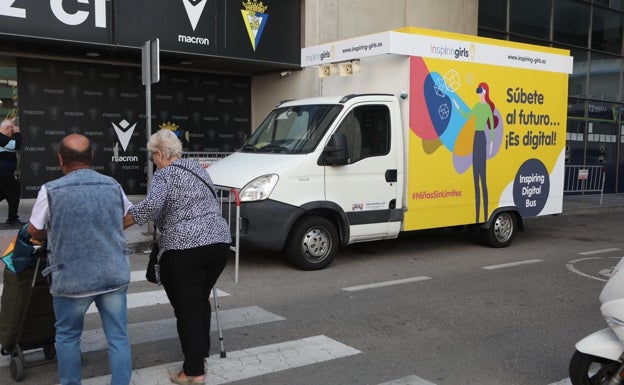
10 143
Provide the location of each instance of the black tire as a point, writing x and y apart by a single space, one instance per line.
16 366
586 369
313 243
501 231
49 352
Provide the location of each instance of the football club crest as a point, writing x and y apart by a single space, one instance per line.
171 127
255 20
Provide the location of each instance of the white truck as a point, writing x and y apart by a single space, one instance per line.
413 129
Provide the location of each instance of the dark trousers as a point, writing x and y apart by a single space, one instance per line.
10 190
188 277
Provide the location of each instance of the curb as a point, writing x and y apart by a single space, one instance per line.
593 209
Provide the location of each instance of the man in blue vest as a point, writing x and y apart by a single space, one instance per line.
81 214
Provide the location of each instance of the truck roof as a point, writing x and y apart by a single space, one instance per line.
331 99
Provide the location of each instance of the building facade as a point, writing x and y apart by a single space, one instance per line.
75 66
592 31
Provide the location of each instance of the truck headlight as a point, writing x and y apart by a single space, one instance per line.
259 188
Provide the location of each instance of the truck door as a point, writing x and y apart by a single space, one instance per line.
366 188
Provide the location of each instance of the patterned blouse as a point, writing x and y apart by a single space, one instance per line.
183 209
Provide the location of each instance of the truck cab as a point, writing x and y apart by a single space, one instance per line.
319 173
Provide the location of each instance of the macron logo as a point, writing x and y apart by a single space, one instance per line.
194 10
124 132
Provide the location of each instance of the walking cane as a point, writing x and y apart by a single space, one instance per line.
216 301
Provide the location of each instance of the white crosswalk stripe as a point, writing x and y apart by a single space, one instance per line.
562 382
151 331
247 363
148 298
409 380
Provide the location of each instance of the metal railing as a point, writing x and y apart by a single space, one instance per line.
230 201
585 179
206 159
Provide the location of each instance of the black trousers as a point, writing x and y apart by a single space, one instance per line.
188 277
10 190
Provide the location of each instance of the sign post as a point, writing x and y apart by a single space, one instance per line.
150 73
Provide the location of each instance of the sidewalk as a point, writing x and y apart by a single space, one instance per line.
138 237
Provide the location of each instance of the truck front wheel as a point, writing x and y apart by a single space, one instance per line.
501 231
313 243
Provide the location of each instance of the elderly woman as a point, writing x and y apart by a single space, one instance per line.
193 246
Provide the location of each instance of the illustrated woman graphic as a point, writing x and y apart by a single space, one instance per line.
484 124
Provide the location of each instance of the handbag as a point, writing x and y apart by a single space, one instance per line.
152 274
21 253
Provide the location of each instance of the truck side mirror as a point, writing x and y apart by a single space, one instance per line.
335 153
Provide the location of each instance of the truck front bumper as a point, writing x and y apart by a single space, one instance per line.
265 224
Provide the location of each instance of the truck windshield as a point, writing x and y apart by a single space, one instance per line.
292 130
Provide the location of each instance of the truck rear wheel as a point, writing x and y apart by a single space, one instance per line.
313 243
501 231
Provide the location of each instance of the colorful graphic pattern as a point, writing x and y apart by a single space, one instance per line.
434 120
461 173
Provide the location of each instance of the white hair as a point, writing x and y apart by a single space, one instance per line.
166 142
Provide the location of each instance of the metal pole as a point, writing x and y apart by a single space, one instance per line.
216 301
147 79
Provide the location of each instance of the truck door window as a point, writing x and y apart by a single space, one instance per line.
367 129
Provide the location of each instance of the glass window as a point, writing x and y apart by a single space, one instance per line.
604 77
577 81
493 14
621 146
530 18
8 91
576 108
527 40
614 4
607 30
571 22
602 144
575 141
617 4
491 34
367 130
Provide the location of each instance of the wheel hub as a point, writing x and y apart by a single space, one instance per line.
316 244
502 228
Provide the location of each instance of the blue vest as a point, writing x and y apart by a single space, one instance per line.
87 245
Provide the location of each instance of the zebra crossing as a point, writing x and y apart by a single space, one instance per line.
236 366
239 365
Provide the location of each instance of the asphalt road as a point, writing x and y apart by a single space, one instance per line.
429 308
